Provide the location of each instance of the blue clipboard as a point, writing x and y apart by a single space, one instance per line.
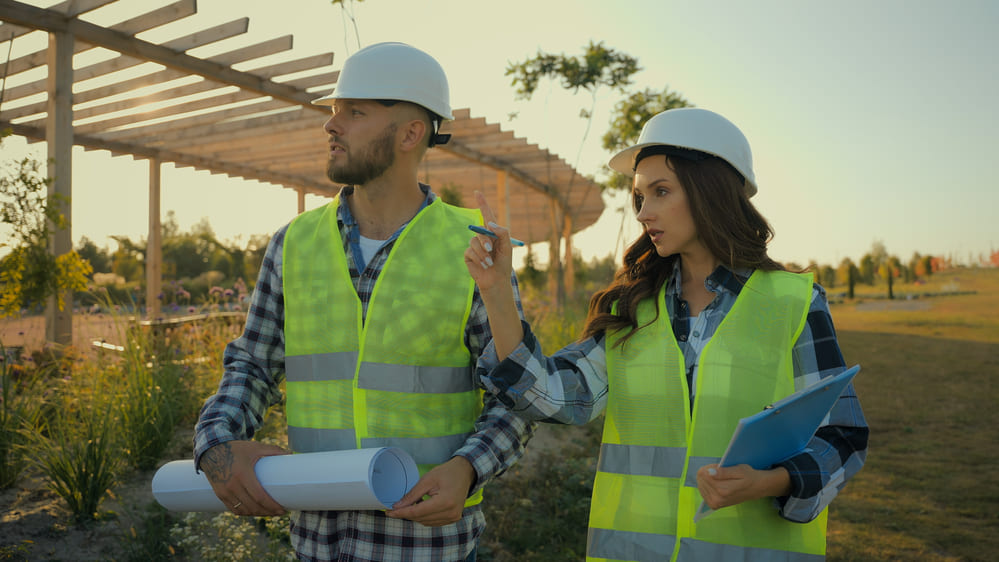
784 428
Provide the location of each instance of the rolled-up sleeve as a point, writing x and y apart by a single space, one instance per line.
569 387
253 364
839 448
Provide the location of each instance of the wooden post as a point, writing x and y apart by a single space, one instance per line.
570 265
154 245
556 283
59 138
503 200
301 200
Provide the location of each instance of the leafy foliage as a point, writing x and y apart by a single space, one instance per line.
30 273
19 410
81 460
598 66
628 118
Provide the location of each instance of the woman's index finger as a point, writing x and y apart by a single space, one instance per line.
487 212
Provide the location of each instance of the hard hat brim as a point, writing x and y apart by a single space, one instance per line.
624 162
330 98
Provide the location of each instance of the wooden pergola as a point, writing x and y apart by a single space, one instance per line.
255 124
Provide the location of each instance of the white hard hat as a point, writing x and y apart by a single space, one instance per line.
393 71
695 129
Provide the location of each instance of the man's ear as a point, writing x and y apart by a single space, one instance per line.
414 134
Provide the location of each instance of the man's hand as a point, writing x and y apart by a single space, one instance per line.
229 468
721 487
446 487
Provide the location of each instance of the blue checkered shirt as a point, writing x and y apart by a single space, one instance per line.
254 367
570 386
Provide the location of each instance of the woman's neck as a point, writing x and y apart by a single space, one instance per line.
694 270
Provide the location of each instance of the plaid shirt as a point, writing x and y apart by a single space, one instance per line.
254 367
570 386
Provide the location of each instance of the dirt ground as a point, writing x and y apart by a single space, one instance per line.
35 523
31 512
37 519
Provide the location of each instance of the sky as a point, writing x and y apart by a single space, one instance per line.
868 121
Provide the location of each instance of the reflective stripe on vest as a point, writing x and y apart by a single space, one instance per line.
645 492
402 377
606 544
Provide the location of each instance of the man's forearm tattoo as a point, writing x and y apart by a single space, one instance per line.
217 463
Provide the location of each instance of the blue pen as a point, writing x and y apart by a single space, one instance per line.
487 232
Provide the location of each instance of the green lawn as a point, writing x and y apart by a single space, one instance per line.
927 384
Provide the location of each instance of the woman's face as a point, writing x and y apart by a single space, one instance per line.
663 208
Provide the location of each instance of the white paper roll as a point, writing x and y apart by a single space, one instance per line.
331 480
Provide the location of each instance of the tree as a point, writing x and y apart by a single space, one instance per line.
888 270
847 274
826 275
866 269
598 67
255 250
627 120
129 259
30 273
99 258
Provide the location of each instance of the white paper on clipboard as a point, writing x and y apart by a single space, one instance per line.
782 429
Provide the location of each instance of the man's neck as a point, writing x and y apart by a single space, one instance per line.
381 208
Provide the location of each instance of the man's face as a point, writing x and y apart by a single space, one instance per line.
362 141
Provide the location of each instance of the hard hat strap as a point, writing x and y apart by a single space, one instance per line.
669 150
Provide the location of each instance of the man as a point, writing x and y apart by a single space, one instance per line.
365 308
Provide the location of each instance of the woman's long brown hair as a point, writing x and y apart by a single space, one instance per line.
726 222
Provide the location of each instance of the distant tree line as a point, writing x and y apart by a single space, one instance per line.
878 267
194 263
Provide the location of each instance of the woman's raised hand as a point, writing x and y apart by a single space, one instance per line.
489 260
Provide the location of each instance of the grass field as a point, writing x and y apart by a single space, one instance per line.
929 490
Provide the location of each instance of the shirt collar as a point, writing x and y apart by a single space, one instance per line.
723 278
346 218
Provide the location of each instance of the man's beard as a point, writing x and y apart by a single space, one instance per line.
367 163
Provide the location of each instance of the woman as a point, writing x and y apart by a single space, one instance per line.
699 328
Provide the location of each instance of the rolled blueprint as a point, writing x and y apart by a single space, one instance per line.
332 480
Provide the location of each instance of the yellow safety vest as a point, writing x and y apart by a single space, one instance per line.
645 493
402 377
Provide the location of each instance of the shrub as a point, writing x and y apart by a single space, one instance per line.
19 410
80 459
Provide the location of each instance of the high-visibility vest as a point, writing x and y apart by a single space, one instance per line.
402 377
645 494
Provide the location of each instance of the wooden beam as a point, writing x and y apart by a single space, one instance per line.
39 18
188 90
71 8
458 149
171 112
198 39
193 127
285 68
23 14
314 185
199 120
217 139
